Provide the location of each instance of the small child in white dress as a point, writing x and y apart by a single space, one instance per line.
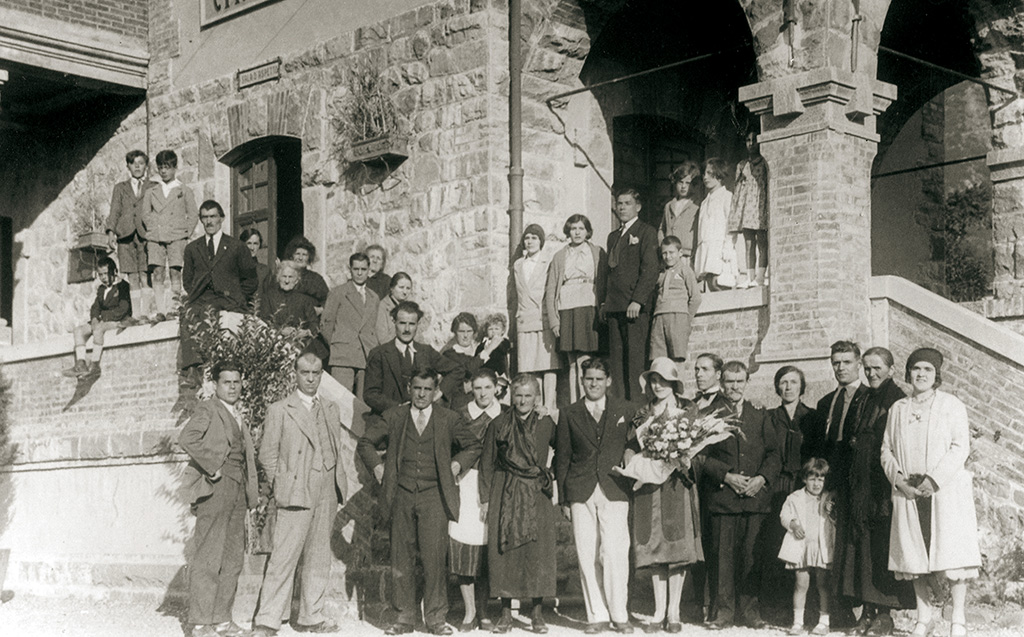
808 518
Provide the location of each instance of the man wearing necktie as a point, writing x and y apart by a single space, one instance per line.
390 365
221 481
350 325
829 435
218 273
632 277
419 495
738 474
590 441
299 455
122 226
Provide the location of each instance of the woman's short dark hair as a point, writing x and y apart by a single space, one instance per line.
578 219
938 377
464 318
248 233
814 468
296 242
717 168
398 278
485 372
790 369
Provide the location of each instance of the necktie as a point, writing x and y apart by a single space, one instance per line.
835 420
421 421
209 246
362 292
408 356
613 256
597 412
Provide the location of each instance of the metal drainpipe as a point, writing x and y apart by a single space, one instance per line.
855 35
515 126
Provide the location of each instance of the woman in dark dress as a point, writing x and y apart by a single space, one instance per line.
666 517
516 487
462 351
284 307
467 538
791 419
861 567
303 253
253 240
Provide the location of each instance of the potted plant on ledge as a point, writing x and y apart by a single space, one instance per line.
366 123
88 222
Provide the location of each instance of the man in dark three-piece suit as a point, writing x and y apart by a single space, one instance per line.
299 454
590 441
221 481
122 225
420 495
218 273
350 325
632 277
390 365
738 474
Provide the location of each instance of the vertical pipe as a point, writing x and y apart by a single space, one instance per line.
855 35
515 126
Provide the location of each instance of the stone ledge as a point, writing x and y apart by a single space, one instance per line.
732 300
62 346
972 327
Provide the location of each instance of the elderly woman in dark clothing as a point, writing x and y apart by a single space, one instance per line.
861 567
516 487
303 254
792 418
282 305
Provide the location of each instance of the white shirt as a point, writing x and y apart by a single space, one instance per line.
415 413
361 289
626 226
493 410
136 185
596 409
530 264
167 187
234 413
402 347
216 241
307 400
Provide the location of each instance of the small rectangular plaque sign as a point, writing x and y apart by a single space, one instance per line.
259 74
212 11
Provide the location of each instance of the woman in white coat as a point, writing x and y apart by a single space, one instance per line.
934 524
535 340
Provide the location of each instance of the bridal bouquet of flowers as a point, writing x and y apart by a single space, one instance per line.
670 441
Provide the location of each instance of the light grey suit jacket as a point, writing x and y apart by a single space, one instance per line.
350 325
286 451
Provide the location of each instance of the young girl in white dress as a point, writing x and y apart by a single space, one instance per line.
809 543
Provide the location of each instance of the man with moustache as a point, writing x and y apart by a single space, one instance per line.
739 472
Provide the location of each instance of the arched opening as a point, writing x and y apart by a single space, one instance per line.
266 191
687 111
931 191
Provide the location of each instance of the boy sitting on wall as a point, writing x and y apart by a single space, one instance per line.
169 215
113 304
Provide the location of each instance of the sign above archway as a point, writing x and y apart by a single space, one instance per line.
212 11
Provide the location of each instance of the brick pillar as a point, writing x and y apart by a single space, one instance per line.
1007 172
818 135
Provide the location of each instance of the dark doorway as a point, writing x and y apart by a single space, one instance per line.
6 270
647 148
266 186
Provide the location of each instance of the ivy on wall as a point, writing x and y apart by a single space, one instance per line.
967 219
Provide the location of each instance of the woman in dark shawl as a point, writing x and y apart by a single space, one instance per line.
516 489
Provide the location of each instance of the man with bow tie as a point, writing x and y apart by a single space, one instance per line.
632 277
590 441
219 274
420 495
299 454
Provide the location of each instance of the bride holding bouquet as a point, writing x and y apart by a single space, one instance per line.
666 513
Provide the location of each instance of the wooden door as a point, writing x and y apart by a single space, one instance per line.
254 204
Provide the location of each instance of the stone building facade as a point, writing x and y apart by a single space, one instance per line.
807 79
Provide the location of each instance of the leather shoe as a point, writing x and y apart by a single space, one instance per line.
398 628
757 623
440 629
262 631
881 626
229 629
504 624
673 627
717 624
595 628
622 627
538 625
465 627
322 627
651 627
